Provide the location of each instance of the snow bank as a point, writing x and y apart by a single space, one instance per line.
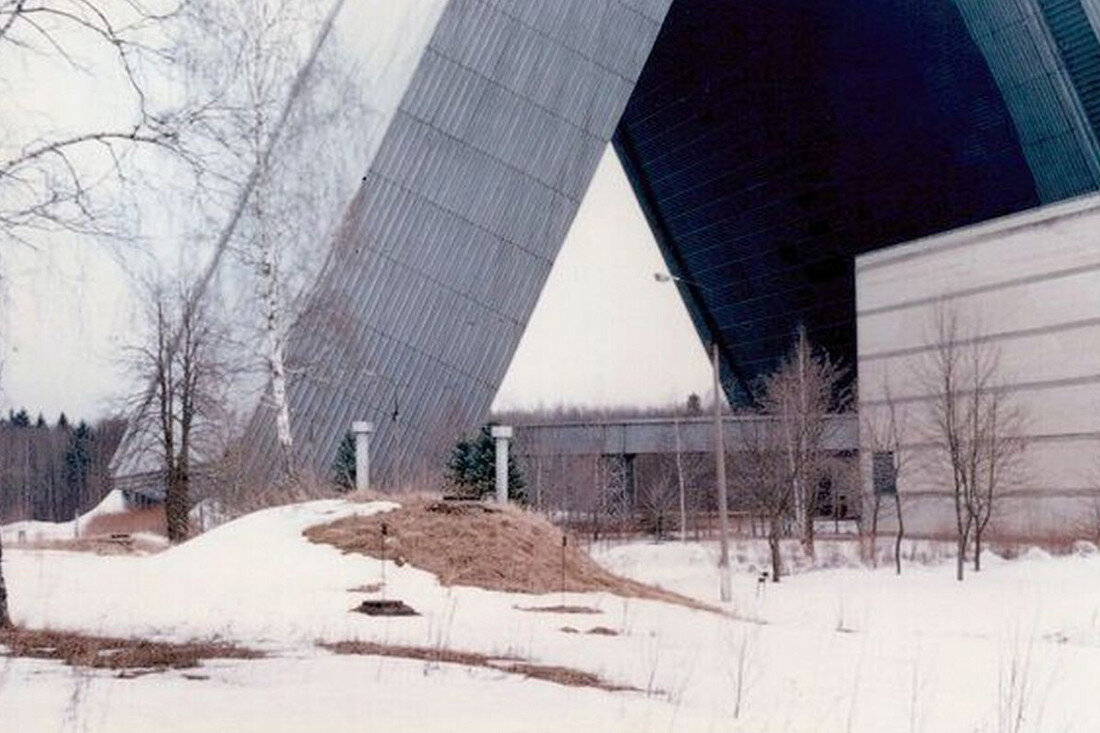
35 531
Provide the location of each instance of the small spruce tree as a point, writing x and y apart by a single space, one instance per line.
343 466
472 468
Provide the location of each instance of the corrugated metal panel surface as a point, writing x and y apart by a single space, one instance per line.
771 142
446 248
1076 40
659 435
1025 59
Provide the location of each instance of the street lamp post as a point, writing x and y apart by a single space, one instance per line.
724 579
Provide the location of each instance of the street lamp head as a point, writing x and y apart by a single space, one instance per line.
662 277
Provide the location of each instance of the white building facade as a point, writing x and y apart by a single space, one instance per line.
1025 288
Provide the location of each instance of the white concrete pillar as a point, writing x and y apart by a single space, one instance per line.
502 434
362 430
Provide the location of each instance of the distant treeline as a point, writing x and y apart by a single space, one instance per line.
50 472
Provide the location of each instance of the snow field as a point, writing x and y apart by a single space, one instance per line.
836 649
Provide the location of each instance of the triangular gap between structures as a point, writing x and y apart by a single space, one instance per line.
604 332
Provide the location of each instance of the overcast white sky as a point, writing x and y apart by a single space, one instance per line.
604 332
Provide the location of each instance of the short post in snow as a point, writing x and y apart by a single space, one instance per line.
362 430
502 434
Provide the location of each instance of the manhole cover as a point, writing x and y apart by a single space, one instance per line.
386 608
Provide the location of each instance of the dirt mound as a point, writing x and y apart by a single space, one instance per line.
482 545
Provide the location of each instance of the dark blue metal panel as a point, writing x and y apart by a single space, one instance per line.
771 142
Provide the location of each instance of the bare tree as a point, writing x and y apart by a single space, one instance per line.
885 434
189 379
762 472
999 455
800 395
657 484
680 478
65 172
5 617
974 427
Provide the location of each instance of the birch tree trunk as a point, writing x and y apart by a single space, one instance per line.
275 346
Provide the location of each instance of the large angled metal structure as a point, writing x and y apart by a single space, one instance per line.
769 143
446 247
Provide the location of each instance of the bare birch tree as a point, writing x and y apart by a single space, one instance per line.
800 395
293 193
974 426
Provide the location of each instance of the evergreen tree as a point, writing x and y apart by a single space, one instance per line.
62 422
40 422
20 419
472 468
78 460
343 466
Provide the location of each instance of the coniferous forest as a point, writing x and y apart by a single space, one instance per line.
50 471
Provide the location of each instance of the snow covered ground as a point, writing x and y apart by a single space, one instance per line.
36 531
834 649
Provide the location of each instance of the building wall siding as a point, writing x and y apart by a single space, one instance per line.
1029 287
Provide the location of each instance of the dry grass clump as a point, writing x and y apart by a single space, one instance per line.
558 609
550 673
98 652
594 631
97 545
483 545
149 520
602 631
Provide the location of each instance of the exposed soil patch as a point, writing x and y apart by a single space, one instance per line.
550 673
486 546
128 655
558 609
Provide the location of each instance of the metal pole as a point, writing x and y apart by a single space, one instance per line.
720 471
502 433
362 430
